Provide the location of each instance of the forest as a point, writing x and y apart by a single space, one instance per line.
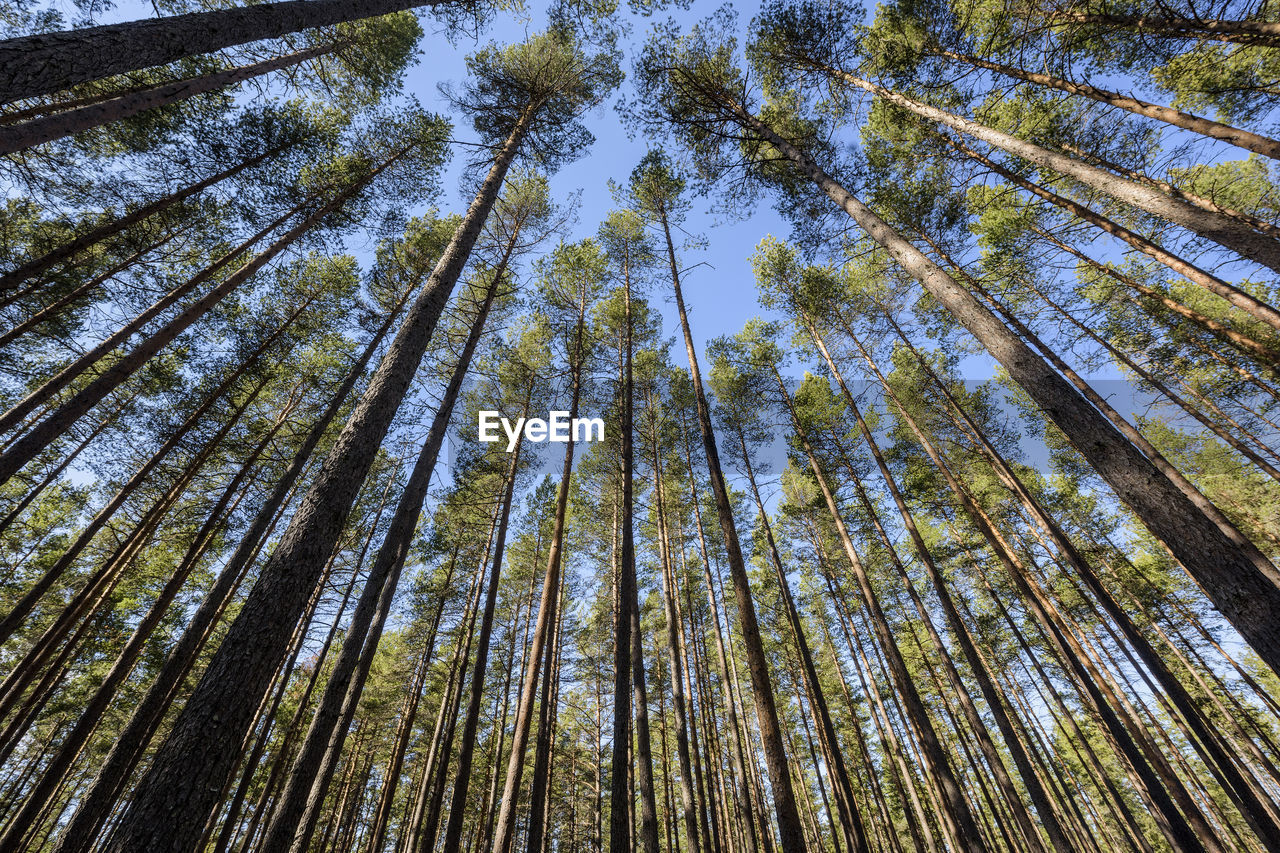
943 516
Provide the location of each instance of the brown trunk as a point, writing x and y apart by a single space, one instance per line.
74 740
187 771
96 803
957 812
1205 127
1240 581
1246 345
78 404
506 822
1265 33
76 245
1220 229
28 134
466 749
790 830
298 810
1238 298
48 62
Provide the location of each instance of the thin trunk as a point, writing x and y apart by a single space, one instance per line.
44 432
1205 127
957 812
1237 298
189 767
1240 581
507 812
73 247
28 134
96 803
298 811
792 834
48 62
466 751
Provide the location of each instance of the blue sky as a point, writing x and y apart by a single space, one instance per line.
720 292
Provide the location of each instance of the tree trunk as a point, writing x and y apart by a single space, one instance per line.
48 62
76 245
1251 305
299 806
1205 127
95 805
504 831
187 771
28 134
26 448
466 750
1212 226
73 742
1263 33
784 801
1240 581
957 812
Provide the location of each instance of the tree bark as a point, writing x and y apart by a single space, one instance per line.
1240 581
28 134
47 62
1255 142
784 801
200 750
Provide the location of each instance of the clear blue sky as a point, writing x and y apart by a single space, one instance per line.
720 293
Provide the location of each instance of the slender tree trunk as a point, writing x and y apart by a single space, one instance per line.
1265 33
977 663
1243 343
1240 299
466 750
43 433
506 823
48 62
28 134
957 811
1220 229
790 829
298 811
96 803
1240 581
200 749
1255 142
73 247
846 804
75 739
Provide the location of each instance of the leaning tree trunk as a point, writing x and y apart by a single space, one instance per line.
1239 580
298 809
504 830
959 818
1244 301
28 134
1255 142
95 804
784 801
187 771
1220 229
1253 804
107 230
977 663
78 404
75 739
846 804
47 62
1262 33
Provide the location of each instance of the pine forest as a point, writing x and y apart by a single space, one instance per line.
672 426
